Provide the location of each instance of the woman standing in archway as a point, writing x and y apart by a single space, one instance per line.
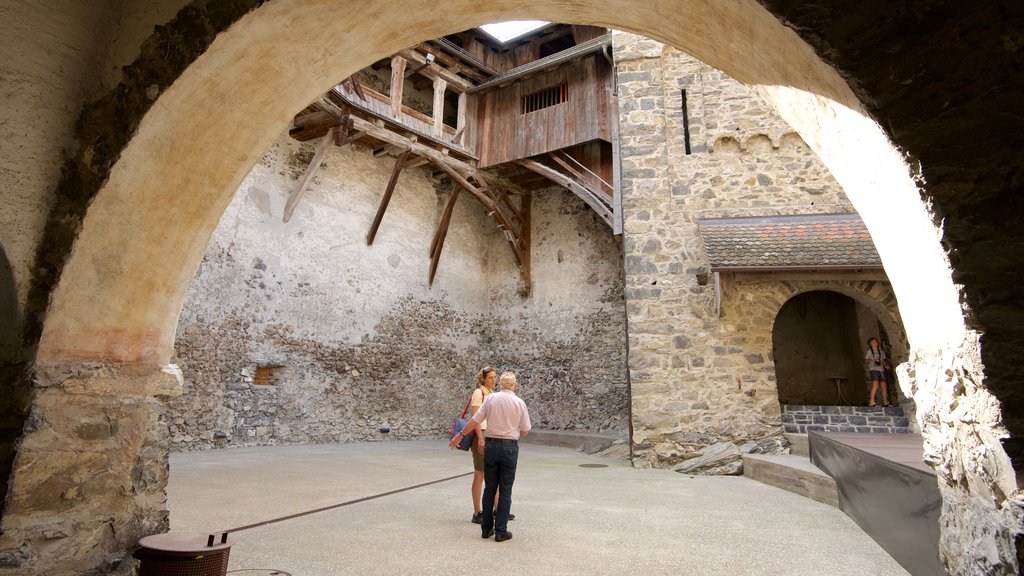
877 364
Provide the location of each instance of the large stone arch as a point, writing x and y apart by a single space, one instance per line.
159 201
102 310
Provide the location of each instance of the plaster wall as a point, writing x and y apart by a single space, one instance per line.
353 334
355 338
567 340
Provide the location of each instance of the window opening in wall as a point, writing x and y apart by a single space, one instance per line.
545 98
267 375
376 77
418 94
556 45
450 116
686 125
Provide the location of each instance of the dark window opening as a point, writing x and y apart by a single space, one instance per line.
686 125
545 98
556 45
450 115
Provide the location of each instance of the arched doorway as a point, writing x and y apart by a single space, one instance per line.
818 344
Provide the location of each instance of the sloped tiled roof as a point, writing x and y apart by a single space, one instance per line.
804 242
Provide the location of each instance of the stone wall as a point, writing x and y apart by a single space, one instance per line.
702 380
352 335
567 341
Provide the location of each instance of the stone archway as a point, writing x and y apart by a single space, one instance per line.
119 292
817 337
102 310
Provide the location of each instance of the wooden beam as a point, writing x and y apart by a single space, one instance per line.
613 111
399 164
458 83
313 130
586 179
418 148
460 121
296 195
562 180
440 234
525 273
397 85
439 87
344 134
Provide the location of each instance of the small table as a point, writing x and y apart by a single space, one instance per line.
839 389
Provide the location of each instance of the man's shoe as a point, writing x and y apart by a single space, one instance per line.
502 536
488 533
476 517
510 516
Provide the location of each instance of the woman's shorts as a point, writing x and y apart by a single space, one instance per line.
877 375
478 456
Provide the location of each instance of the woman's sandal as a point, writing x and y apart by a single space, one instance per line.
872 405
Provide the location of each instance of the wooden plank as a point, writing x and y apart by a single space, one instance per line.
525 236
439 87
440 234
399 164
296 195
460 120
562 180
432 71
312 130
613 123
397 85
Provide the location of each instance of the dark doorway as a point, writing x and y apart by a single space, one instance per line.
817 340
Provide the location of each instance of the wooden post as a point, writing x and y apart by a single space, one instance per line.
439 87
613 105
399 164
460 123
525 287
397 85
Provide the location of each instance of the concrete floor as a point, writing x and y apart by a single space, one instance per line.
570 519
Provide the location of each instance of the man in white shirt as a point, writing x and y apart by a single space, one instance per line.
507 420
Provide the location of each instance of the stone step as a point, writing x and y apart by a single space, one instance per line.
801 418
798 444
792 473
584 441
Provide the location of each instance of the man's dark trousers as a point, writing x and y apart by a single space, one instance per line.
500 458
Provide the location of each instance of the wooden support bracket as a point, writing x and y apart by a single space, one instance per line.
298 192
440 234
399 164
592 199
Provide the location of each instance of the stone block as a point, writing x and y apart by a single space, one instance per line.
719 459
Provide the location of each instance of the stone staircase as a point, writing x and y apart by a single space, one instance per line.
798 419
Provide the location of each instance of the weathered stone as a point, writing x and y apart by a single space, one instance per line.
723 458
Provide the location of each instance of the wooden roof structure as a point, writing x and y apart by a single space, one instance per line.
448 102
